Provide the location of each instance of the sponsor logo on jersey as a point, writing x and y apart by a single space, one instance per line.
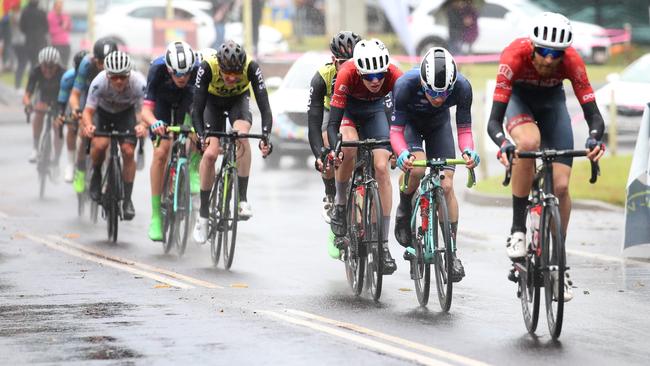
199 75
260 79
506 71
588 97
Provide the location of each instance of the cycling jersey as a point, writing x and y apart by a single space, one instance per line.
210 82
162 93
86 73
101 94
48 88
413 108
67 81
320 93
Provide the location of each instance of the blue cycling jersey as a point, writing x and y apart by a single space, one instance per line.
161 87
67 81
86 73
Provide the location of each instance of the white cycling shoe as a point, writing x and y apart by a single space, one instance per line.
516 245
328 205
200 232
68 174
568 293
33 156
245 211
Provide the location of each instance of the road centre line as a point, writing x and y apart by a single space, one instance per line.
363 341
400 341
133 263
80 254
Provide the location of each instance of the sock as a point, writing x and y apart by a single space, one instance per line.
71 156
97 172
519 205
155 206
341 192
330 186
454 230
128 188
243 188
385 227
204 211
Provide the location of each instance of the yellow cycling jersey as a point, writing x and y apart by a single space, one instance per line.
218 85
328 73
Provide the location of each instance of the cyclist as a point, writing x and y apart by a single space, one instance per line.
320 93
114 103
223 86
529 93
168 84
358 101
90 66
44 79
423 97
67 81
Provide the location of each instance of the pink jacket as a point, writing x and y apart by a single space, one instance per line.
60 26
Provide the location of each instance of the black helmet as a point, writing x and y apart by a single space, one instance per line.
103 47
231 57
76 59
342 44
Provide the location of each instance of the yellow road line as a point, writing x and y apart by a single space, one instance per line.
144 266
366 342
80 254
400 341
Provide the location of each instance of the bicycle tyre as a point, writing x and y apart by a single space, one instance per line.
231 215
114 199
420 267
374 241
215 246
182 212
443 254
355 251
167 208
80 205
43 165
529 285
553 256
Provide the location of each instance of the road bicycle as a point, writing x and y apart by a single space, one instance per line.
433 243
224 198
545 262
44 157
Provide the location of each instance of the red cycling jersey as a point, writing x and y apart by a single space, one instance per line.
349 83
516 66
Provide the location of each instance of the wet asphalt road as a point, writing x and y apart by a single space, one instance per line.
284 301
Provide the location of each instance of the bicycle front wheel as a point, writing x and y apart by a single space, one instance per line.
182 211
229 208
443 250
554 266
420 267
215 246
112 200
43 166
355 250
167 208
372 221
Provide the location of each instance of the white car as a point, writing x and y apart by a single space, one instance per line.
631 90
499 23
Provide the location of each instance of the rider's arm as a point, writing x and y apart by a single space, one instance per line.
338 102
495 123
577 74
401 94
594 120
317 92
261 95
149 104
67 80
464 115
203 79
31 85
87 117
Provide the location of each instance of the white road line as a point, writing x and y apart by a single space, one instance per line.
400 341
366 342
130 262
80 254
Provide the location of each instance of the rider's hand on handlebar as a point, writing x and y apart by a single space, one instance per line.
596 149
141 130
58 121
159 128
405 160
471 158
507 149
89 130
266 146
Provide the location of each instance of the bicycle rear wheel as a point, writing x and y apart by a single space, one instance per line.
355 250
43 166
229 207
183 208
554 266
372 222
420 231
167 207
113 200
443 253
215 246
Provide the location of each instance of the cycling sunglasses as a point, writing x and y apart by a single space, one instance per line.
179 74
376 75
435 94
118 76
544 52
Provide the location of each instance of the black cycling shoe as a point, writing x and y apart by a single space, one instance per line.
457 270
389 263
95 190
338 223
128 211
403 226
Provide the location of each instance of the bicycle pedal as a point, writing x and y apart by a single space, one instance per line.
512 276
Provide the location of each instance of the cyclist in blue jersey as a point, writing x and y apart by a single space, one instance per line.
168 86
90 66
67 81
423 97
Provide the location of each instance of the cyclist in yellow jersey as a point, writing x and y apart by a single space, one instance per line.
223 84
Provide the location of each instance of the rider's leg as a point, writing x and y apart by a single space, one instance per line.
58 144
561 177
71 145
527 138
127 149
243 158
342 178
207 172
37 129
98 148
156 175
382 176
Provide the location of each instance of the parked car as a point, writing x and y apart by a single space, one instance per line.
631 90
499 23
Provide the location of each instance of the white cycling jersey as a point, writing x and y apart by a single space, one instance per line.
103 95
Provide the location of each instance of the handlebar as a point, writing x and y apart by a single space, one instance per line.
113 134
550 155
236 135
439 164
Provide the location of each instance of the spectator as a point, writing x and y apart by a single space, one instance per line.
59 26
5 37
33 24
463 27
17 44
220 9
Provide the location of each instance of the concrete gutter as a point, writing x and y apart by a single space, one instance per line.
483 199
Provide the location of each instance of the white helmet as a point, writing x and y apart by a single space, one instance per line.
438 71
371 56
179 58
49 55
551 30
117 63
205 54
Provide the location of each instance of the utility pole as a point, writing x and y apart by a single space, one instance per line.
247 21
346 15
170 10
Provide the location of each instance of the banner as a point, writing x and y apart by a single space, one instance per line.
637 210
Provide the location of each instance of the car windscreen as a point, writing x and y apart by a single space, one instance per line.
638 72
